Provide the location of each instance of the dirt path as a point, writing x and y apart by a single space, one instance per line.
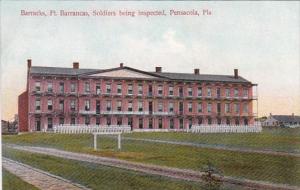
182 174
218 147
40 179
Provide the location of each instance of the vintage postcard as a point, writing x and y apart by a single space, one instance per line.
147 95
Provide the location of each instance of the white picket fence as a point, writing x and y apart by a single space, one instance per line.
75 129
160 130
225 129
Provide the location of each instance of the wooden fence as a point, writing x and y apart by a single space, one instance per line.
225 129
91 129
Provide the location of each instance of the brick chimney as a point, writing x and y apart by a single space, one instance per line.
75 65
158 69
236 73
28 63
121 65
196 71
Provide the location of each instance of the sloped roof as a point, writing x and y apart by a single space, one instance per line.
166 75
287 118
60 71
203 77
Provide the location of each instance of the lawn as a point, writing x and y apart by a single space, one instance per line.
97 176
281 139
278 169
12 182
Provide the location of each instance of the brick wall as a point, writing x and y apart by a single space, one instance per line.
23 111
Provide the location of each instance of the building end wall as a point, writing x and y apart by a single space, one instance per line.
23 111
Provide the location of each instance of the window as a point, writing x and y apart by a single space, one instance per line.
218 92
227 92
61 87
130 122
97 120
181 123
199 91
87 87
190 106
119 105
171 107
140 106
236 108
245 108
245 93
50 87
73 121
190 91
108 88
38 105
73 87
171 123
218 108
98 107
108 121
160 123
209 92
236 92
38 86
227 108
130 106
180 91
50 122
61 105
108 105
150 123
86 120
181 107
209 121
199 107
150 90
237 122
171 90
160 107
160 90
140 89
98 88
50 106
245 121
61 121
119 121
141 123
209 107
190 123
130 89
227 121
87 105
119 89
200 120
72 105
219 121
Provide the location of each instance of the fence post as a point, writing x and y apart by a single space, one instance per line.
95 141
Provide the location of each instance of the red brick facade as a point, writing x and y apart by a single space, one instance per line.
23 111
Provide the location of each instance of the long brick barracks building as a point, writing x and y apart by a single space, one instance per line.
128 96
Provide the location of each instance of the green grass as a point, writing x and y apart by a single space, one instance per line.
286 140
97 176
12 182
278 169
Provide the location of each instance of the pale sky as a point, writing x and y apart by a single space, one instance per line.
261 39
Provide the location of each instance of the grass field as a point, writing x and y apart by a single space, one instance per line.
278 169
287 140
97 176
12 182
